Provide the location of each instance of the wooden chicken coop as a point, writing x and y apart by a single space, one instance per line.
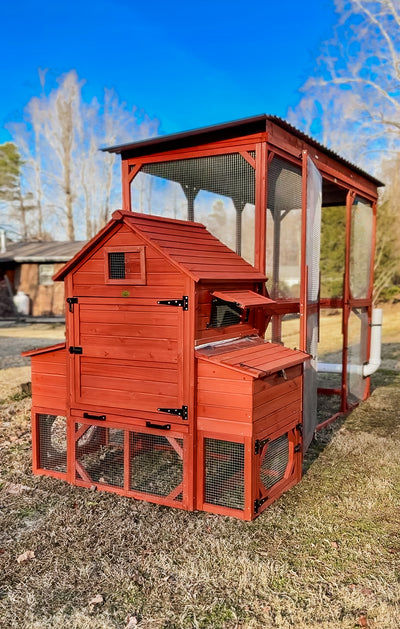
173 385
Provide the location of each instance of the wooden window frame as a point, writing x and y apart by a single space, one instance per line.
137 281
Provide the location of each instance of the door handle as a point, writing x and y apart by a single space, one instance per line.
158 426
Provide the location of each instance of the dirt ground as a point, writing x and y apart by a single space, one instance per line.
324 556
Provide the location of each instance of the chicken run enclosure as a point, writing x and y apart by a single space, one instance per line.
174 384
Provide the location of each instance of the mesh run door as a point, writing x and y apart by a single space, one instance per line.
278 463
142 463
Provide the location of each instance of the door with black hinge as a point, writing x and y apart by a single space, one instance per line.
128 356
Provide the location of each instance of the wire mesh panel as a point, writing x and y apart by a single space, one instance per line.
360 248
52 442
218 191
284 228
99 458
116 265
357 353
274 461
224 473
333 232
156 465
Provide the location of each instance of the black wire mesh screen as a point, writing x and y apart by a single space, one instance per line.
284 228
224 313
218 191
100 455
224 473
156 465
52 442
116 265
275 461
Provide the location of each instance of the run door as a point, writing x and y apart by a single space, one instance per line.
127 356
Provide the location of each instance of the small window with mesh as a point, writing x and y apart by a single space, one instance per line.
274 461
125 265
52 442
224 473
224 313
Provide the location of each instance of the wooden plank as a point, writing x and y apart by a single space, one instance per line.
227 399
128 371
270 393
144 315
165 350
293 397
139 386
227 414
214 370
128 399
129 331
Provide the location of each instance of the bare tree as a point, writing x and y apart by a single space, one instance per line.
354 91
74 185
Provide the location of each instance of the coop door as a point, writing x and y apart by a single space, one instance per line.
277 465
128 356
311 293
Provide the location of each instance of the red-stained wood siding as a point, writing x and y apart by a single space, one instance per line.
223 395
131 355
90 278
49 380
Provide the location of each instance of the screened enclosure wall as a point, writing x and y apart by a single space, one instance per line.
218 191
312 260
283 229
356 353
360 248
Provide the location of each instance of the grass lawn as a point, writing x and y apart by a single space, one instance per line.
326 555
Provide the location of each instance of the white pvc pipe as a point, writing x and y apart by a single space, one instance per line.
375 352
376 343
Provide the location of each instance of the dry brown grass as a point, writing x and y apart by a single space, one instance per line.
326 555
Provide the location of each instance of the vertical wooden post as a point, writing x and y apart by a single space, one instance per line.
126 187
261 207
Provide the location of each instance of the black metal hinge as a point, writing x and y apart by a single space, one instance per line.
179 303
181 412
259 444
75 350
299 427
259 502
71 301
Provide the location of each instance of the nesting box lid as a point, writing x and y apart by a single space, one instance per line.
252 356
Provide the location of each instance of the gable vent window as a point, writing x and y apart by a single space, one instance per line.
224 313
125 265
116 265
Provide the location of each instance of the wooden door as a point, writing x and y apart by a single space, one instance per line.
128 356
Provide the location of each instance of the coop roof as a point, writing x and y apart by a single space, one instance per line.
44 350
188 245
226 131
30 252
252 356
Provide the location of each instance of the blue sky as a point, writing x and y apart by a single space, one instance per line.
187 64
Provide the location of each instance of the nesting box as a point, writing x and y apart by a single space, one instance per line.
165 389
